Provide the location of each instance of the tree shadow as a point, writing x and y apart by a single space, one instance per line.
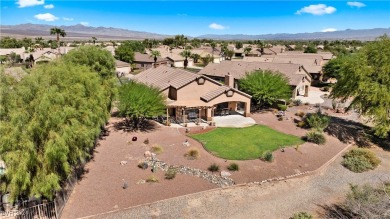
348 131
143 126
335 211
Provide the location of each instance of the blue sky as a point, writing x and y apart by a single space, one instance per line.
195 18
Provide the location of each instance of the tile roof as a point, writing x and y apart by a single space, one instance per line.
162 77
139 57
294 72
215 93
119 63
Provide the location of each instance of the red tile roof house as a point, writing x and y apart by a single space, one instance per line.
299 78
194 97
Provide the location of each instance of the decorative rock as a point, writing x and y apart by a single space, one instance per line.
147 154
225 174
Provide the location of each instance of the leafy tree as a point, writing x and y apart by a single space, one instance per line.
247 50
333 67
14 58
207 59
3 58
239 45
196 57
213 45
8 42
266 87
138 101
195 43
186 54
168 41
98 59
27 43
310 49
94 40
54 121
40 41
365 77
58 32
229 54
124 53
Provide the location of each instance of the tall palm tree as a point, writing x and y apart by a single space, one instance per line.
58 32
155 54
185 54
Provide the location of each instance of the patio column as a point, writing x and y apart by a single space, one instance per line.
183 114
167 118
200 114
247 109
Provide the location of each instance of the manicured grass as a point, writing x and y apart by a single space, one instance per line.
245 143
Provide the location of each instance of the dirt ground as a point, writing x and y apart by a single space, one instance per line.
100 189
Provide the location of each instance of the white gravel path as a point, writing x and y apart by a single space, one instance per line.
270 200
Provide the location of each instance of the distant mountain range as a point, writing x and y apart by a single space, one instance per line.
82 32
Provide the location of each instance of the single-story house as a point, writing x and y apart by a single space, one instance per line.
299 78
144 61
122 68
195 97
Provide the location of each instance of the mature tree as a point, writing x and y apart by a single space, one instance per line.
8 42
310 49
94 40
229 54
239 45
247 50
138 101
213 45
155 54
195 43
196 57
207 59
27 43
168 41
365 77
124 53
179 40
333 67
261 45
14 58
266 87
186 54
40 41
98 59
58 111
58 32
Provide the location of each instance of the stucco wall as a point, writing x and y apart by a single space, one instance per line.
126 70
194 91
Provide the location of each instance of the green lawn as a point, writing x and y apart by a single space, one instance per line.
245 143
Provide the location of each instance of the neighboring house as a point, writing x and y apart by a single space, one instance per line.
144 61
122 68
173 56
194 97
299 78
44 57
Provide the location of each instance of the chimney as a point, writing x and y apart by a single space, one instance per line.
229 80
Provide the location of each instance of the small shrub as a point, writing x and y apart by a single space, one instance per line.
282 107
360 159
307 103
316 137
301 215
300 113
301 124
170 174
275 111
157 149
146 141
152 179
280 118
267 156
233 167
297 102
192 154
143 165
213 167
318 121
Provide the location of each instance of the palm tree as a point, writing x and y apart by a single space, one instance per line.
155 54
213 45
196 57
58 32
185 54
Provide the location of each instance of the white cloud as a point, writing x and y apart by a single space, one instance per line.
216 26
84 23
46 17
29 3
356 4
49 6
67 19
329 30
319 9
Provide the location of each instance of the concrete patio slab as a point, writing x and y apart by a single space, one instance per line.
233 121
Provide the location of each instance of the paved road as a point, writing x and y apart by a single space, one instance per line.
271 200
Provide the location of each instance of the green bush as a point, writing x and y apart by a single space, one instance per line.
360 159
301 124
192 154
317 121
301 215
316 137
152 179
297 102
267 156
170 174
300 113
233 167
213 167
282 107
157 149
